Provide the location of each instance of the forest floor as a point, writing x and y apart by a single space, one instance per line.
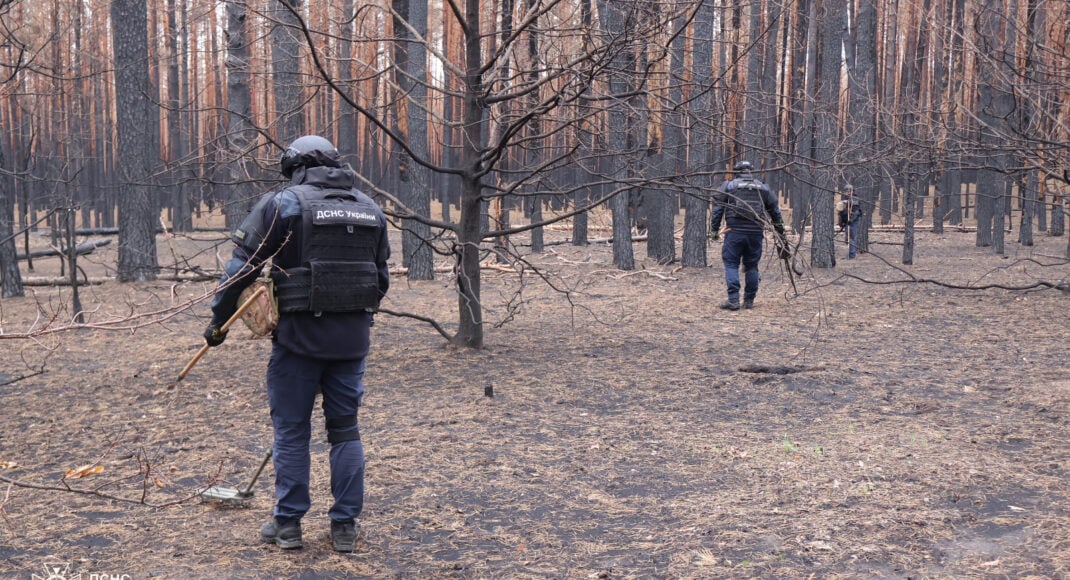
867 427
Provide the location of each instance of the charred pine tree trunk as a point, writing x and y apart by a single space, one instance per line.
956 66
939 120
911 184
696 216
798 134
469 230
414 177
826 134
673 147
499 211
992 103
1058 216
138 148
1035 27
538 142
1029 203
240 135
615 35
862 86
887 187
182 216
348 140
10 278
751 146
917 159
286 69
582 129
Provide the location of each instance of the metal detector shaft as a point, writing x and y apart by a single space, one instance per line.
249 488
226 326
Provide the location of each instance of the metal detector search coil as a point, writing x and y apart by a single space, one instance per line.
231 495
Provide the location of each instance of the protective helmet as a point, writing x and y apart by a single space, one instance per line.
742 166
308 151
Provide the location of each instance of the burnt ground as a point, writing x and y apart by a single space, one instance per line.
857 430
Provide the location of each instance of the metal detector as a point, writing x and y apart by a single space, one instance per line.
231 495
226 326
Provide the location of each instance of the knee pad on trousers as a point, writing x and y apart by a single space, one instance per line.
341 429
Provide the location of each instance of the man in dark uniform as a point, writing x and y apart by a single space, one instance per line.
328 247
746 204
850 214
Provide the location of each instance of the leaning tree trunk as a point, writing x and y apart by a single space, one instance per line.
137 149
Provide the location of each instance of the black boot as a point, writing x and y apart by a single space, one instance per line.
286 533
730 304
343 535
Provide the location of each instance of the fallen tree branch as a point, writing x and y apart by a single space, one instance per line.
1060 286
80 249
441 330
17 379
100 494
668 277
776 369
64 281
401 271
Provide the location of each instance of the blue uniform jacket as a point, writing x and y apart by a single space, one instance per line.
742 214
329 336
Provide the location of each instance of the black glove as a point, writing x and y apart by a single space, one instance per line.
715 235
782 248
213 335
778 227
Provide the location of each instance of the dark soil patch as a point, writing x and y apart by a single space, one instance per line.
636 431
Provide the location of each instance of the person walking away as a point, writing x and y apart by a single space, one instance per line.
850 215
328 246
745 204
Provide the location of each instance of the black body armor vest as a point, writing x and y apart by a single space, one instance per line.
745 201
339 235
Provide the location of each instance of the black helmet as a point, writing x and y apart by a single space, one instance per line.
742 166
308 151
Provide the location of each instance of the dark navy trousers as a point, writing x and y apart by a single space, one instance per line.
852 243
292 382
742 248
